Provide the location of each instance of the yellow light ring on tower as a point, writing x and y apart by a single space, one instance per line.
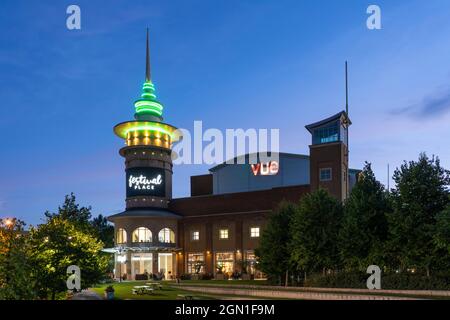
136 129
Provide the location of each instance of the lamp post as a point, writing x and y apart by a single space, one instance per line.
9 223
121 260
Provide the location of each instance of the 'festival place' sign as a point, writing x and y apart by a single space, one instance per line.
145 181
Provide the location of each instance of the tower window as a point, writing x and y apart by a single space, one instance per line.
325 174
254 232
326 134
166 235
195 235
223 233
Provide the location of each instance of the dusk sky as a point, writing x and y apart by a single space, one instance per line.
232 64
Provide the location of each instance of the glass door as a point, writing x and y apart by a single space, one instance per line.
165 265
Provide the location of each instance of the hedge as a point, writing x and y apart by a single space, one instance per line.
398 281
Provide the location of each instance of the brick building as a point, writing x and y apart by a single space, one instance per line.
219 226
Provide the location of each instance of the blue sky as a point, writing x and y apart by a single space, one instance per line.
231 64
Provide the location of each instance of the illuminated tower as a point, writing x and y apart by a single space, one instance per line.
147 150
146 232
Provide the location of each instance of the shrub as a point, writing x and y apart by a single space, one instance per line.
392 281
185 276
206 276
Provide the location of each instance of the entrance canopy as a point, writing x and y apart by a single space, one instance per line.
121 250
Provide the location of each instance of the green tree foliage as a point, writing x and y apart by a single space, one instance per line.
71 211
419 198
364 227
58 244
16 281
442 235
273 252
103 230
315 227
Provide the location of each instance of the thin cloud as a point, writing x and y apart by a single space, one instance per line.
431 106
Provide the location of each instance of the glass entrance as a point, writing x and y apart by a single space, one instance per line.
141 263
165 266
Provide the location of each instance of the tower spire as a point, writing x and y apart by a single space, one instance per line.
346 89
147 62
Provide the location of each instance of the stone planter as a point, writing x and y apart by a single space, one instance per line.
109 295
245 276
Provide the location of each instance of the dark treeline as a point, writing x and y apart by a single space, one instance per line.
320 241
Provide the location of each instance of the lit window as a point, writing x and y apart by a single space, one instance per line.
195 235
121 236
223 233
326 134
166 236
325 174
196 263
142 235
254 232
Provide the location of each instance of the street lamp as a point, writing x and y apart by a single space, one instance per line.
121 259
9 222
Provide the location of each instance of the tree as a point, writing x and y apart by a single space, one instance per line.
71 211
273 251
103 230
58 244
420 195
442 237
315 230
15 269
364 227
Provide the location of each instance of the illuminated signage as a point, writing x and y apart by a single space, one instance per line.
265 169
145 181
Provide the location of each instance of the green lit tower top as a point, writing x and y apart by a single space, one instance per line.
148 107
147 129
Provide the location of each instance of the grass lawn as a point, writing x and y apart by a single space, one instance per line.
123 291
227 282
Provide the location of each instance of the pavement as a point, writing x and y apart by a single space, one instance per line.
86 295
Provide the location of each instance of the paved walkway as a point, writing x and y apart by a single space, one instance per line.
283 294
86 295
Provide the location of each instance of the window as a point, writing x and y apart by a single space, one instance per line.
141 263
325 174
326 134
252 265
195 263
121 236
166 235
195 235
142 234
225 262
223 234
254 232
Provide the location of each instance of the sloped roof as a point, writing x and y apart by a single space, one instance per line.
337 116
145 213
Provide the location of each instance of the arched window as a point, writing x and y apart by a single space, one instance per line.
166 236
142 234
121 236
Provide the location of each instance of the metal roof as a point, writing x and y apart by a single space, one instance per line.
145 213
337 116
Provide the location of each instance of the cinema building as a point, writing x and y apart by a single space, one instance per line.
218 227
